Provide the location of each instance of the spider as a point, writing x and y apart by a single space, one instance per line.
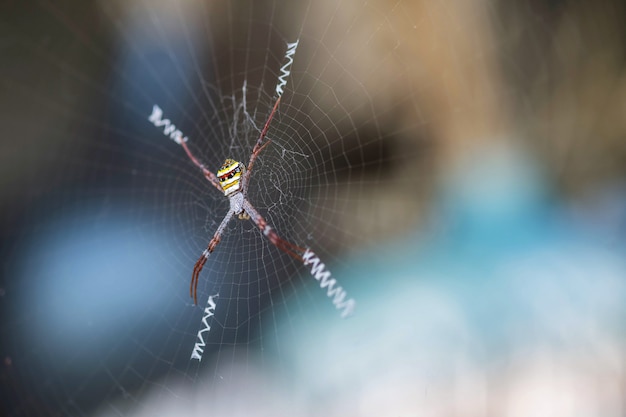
232 179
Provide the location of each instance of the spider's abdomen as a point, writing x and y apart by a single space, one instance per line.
230 176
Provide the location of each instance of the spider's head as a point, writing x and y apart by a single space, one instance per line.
230 176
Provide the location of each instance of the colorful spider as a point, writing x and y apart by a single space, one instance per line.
232 179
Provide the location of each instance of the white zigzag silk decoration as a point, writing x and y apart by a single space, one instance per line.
285 71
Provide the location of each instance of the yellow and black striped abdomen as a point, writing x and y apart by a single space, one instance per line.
230 175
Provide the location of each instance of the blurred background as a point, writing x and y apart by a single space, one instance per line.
458 166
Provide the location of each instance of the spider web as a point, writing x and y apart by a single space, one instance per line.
104 216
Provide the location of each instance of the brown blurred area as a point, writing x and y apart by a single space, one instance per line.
431 73
570 80
449 79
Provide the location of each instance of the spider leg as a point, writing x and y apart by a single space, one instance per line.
195 276
259 145
207 174
287 247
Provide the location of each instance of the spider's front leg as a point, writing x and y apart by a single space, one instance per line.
287 247
193 288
